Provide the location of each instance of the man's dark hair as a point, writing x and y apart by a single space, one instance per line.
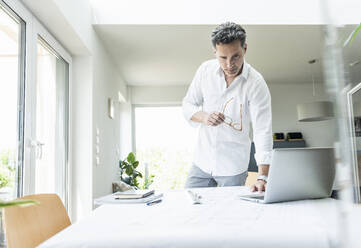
228 32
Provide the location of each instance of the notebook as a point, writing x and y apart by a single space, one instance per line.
133 194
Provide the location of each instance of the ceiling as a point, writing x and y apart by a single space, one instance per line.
170 54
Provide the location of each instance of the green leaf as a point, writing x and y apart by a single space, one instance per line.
352 36
129 170
131 158
135 164
137 174
4 204
126 165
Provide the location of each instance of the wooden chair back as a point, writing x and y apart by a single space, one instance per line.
251 179
28 226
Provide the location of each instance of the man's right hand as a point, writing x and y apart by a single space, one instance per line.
209 119
213 119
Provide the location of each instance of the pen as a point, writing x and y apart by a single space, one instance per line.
153 202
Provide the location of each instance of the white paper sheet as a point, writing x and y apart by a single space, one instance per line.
109 199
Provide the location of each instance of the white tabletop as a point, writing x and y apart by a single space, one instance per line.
223 220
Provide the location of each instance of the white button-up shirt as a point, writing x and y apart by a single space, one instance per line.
222 150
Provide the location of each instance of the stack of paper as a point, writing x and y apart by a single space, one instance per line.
133 194
131 197
136 196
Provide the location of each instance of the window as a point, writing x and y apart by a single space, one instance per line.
11 103
165 141
51 121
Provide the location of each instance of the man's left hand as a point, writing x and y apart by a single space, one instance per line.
259 186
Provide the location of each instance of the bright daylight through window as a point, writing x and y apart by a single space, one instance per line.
9 101
165 141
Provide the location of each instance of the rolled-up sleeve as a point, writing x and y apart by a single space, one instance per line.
261 117
192 102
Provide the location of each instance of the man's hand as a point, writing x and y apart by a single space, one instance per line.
213 119
259 186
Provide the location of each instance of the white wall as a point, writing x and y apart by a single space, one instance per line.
285 98
284 101
81 194
126 129
157 94
106 83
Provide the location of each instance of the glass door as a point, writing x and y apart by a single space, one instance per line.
11 103
51 143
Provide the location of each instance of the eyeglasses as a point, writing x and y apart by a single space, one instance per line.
229 121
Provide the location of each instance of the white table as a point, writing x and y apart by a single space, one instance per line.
222 220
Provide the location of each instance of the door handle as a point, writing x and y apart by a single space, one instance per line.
38 148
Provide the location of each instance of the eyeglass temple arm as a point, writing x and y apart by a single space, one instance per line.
225 105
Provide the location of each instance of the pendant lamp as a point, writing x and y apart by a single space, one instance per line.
317 110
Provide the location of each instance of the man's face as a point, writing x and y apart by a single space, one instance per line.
231 57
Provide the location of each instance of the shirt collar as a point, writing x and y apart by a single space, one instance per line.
244 74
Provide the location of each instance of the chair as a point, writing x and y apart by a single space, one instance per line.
251 179
31 225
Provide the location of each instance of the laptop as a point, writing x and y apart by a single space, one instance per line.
298 174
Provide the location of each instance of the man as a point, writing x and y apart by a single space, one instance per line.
225 96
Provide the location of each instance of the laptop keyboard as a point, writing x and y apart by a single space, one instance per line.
259 197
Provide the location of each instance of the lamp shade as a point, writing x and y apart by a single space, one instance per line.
315 111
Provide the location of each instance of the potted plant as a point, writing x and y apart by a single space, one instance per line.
128 172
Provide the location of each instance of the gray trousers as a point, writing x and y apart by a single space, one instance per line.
198 178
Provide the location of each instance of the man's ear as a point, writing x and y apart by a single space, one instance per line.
214 51
245 47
